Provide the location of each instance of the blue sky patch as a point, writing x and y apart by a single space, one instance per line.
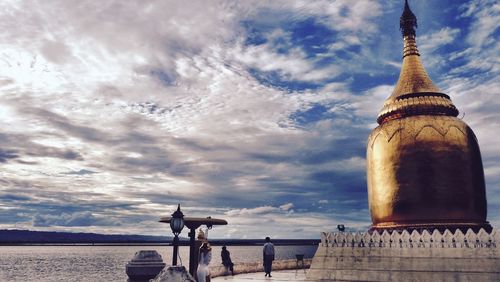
315 113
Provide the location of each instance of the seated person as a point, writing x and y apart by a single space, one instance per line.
226 260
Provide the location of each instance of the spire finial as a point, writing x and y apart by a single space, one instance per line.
408 21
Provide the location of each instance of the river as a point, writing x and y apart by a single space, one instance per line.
107 263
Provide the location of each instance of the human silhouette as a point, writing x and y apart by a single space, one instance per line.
205 257
268 256
226 260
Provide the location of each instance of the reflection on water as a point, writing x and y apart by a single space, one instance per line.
107 263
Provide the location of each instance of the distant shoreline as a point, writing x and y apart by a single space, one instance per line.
48 238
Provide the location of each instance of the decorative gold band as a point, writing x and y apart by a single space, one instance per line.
410 46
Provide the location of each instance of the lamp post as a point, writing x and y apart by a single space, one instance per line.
192 223
176 224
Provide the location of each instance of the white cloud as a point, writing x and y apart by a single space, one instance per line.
434 40
257 210
487 20
260 210
157 99
483 46
75 219
286 207
371 102
292 66
343 14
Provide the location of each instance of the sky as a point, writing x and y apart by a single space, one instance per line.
257 112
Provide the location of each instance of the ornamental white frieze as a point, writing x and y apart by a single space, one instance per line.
470 239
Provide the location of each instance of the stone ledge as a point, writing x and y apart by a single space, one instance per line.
252 267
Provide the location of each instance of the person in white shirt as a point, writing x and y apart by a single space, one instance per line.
205 257
268 256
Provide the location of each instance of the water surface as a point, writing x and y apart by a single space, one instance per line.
107 263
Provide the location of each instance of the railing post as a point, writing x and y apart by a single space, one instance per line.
192 252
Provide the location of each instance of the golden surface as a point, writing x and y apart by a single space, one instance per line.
415 91
425 170
424 165
413 78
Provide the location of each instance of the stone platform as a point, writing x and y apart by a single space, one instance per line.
407 256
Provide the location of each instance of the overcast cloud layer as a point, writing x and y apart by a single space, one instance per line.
113 112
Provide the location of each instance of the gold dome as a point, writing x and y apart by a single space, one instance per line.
424 165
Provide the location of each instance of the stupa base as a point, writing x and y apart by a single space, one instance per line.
345 256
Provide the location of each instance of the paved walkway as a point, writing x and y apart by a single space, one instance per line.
282 275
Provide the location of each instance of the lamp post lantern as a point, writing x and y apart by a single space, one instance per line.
176 224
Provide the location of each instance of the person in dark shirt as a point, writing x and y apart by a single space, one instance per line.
226 260
268 256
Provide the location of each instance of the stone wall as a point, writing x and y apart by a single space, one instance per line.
253 267
408 256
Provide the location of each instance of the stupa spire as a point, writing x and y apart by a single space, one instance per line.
415 93
407 21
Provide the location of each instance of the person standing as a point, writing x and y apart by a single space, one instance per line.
205 257
268 254
226 260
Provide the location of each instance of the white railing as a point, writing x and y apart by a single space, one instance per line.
447 239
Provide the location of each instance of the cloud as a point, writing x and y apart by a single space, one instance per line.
431 42
261 210
240 110
480 39
253 211
80 172
286 207
74 219
486 16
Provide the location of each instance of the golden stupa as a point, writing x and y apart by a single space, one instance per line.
424 164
